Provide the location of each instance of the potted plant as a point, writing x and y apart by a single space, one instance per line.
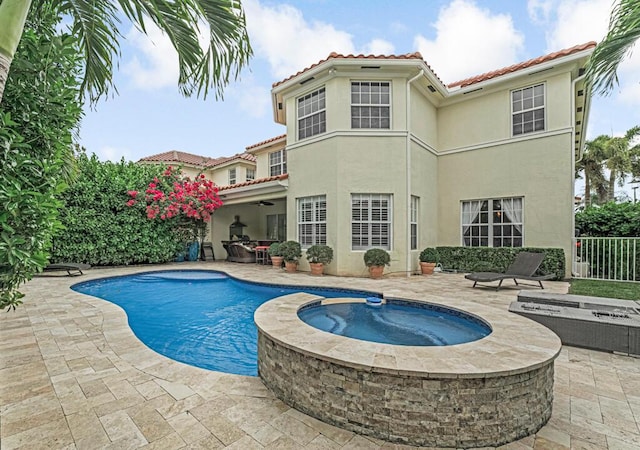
291 251
318 256
375 259
276 256
428 260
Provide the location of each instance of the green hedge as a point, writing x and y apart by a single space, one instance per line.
100 229
497 259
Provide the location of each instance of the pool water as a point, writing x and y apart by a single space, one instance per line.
201 318
396 322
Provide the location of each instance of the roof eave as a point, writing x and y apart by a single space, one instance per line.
520 73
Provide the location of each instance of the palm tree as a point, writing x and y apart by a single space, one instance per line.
591 164
624 31
619 159
184 21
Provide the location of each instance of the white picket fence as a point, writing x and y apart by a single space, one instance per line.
607 258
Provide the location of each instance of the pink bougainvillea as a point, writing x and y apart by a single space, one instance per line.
174 196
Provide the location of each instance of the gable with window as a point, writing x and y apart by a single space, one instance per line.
493 222
232 176
312 115
528 110
312 221
370 104
277 163
370 221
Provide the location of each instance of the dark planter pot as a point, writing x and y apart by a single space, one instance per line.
194 249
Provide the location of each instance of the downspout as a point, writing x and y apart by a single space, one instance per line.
408 169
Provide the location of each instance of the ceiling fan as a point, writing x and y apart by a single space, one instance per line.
263 203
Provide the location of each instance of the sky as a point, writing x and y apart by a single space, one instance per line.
457 38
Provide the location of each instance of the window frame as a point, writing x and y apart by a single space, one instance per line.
279 167
321 113
252 172
317 220
370 105
233 176
370 236
414 209
491 213
532 109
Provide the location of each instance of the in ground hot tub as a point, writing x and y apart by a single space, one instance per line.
482 393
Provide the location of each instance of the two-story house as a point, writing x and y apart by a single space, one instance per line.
379 152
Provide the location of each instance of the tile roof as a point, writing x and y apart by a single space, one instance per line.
242 156
522 65
273 139
283 176
180 157
334 55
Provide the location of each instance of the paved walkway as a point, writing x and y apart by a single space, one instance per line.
73 376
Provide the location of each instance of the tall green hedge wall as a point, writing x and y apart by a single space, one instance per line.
100 229
497 259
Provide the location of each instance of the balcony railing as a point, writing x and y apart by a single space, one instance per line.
607 258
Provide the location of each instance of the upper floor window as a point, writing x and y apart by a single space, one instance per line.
493 223
527 108
370 104
312 221
232 176
251 174
370 221
312 116
278 162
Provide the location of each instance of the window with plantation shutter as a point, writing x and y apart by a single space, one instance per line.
312 221
370 221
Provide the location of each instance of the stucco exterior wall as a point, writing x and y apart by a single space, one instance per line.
485 117
337 168
537 169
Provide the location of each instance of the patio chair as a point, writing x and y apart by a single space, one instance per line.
522 268
72 269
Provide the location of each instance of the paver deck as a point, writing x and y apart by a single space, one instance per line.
73 376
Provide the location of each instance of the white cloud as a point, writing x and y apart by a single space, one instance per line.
250 97
573 22
288 41
156 62
379 47
469 41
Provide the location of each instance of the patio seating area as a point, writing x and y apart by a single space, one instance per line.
75 376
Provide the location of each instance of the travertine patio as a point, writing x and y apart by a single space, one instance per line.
72 375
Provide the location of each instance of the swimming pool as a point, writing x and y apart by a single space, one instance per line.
198 317
396 322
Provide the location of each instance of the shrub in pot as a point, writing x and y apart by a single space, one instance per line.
275 255
318 256
375 259
428 259
291 251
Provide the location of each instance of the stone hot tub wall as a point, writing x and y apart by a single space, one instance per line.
322 375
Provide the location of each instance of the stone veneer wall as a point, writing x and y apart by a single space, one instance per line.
409 409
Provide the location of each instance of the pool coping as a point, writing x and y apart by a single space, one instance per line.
503 352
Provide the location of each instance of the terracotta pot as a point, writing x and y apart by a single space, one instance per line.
277 261
291 266
375 272
427 268
316 268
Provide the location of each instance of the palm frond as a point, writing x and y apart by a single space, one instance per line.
624 31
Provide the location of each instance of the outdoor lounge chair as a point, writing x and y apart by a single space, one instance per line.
72 269
522 268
